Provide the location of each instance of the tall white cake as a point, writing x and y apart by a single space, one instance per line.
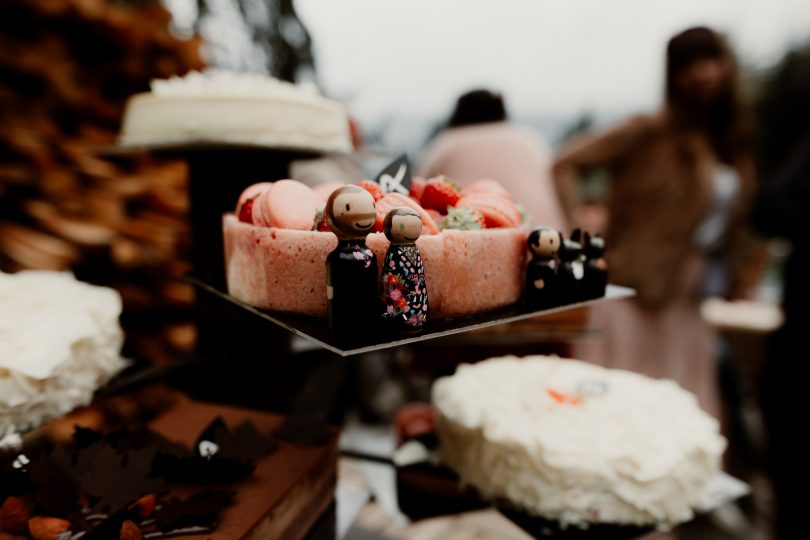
59 341
235 108
578 443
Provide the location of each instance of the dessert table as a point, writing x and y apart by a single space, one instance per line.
244 354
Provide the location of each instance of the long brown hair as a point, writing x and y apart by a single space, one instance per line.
725 120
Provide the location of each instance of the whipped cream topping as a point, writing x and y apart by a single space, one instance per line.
59 340
215 82
576 442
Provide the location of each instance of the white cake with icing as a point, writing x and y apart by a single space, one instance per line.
235 108
578 443
59 341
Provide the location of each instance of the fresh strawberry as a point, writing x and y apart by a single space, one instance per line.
395 200
463 219
373 188
486 186
440 192
320 222
497 211
246 212
379 222
417 188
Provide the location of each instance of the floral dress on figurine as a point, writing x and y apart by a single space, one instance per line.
402 281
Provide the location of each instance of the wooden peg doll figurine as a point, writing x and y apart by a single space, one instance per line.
541 289
351 269
596 268
570 273
402 282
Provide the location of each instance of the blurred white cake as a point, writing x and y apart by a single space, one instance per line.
578 443
235 108
59 341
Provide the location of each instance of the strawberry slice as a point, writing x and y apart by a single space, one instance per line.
486 186
562 398
395 200
440 192
497 210
417 188
321 225
246 211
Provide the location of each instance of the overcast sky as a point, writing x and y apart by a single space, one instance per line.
549 57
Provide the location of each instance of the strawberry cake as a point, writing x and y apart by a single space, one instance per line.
473 245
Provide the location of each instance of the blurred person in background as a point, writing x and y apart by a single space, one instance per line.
479 142
681 182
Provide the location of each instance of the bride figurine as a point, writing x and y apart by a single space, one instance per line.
402 281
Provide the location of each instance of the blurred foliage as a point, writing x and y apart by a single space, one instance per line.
275 28
67 68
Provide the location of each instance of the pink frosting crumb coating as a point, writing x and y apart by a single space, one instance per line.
285 270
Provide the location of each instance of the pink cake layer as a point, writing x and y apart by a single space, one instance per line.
285 270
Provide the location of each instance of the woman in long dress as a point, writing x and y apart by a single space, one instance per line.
681 182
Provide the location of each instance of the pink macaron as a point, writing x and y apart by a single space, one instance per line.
251 192
289 204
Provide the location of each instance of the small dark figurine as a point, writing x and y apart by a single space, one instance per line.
402 282
571 273
351 269
596 268
541 290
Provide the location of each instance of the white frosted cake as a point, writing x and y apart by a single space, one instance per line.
578 443
235 108
59 341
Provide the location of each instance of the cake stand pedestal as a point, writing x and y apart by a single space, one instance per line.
217 175
242 360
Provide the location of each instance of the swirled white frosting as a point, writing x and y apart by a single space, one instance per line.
59 341
576 442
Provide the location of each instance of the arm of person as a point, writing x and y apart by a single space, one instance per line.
591 151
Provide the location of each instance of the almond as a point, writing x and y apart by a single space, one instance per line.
14 515
130 531
47 528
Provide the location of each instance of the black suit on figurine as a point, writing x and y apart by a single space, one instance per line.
541 290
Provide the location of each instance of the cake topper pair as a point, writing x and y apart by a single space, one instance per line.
562 271
352 290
